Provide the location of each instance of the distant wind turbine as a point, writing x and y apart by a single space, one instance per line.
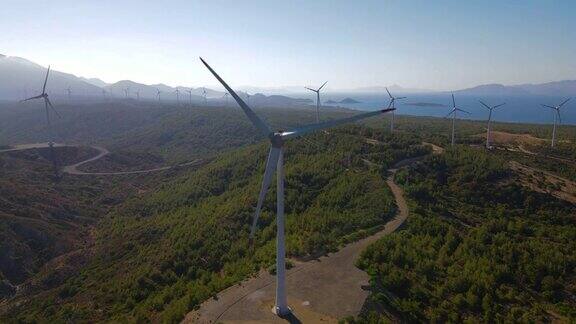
453 113
47 107
317 100
391 105
226 98
126 91
490 108
177 96
275 162
69 91
204 95
158 92
189 96
137 94
557 118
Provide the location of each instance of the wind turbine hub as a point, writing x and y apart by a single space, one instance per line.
276 139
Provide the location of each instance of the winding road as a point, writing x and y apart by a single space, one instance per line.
73 168
319 291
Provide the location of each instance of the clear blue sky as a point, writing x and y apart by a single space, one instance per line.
417 44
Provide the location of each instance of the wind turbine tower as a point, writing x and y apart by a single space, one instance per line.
204 95
138 94
189 96
158 92
275 162
453 113
490 109
557 118
126 91
226 99
48 106
391 105
317 100
177 96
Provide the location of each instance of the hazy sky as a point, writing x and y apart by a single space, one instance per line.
417 44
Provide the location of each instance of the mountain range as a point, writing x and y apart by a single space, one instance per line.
21 78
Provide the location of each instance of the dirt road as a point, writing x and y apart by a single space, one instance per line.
73 169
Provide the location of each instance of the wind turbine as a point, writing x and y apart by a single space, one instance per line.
158 92
47 105
126 91
189 96
557 118
317 100
204 95
276 162
177 96
490 108
226 98
69 91
391 105
137 94
247 97
453 113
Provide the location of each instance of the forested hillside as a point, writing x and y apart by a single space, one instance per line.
161 254
477 247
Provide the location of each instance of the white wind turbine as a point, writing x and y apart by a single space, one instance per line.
226 99
453 113
126 91
177 96
490 108
137 94
391 105
47 105
189 96
317 100
204 95
276 162
158 92
557 119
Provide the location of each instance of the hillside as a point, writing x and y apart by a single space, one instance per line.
479 247
165 252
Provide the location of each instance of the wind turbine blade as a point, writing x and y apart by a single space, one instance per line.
450 113
389 93
258 123
547 106
322 86
314 127
46 80
453 101
485 105
565 101
271 164
310 89
53 109
558 113
32 98
401 98
464 111
500 105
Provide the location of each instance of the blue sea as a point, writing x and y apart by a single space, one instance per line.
519 109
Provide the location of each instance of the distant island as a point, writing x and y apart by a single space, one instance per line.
346 101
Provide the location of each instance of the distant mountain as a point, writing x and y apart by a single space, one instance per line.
95 81
20 77
349 101
492 90
558 88
565 88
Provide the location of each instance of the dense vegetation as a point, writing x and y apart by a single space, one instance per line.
477 247
161 254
